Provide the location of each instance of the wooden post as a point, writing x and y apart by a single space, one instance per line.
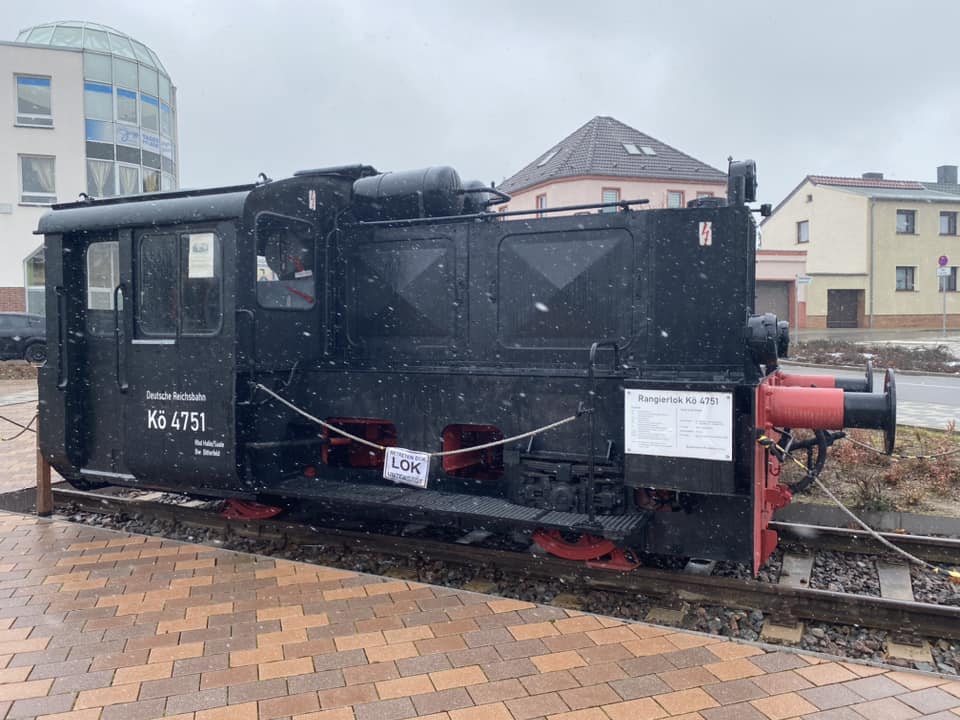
44 491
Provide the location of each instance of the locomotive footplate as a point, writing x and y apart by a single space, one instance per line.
473 511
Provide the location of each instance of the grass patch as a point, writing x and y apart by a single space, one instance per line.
865 479
17 370
900 357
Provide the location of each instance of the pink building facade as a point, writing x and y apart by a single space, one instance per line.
595 189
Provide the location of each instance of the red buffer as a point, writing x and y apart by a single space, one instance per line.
818 403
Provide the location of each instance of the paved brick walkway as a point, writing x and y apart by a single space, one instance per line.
98 625
18 458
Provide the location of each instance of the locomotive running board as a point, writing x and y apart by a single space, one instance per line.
476 511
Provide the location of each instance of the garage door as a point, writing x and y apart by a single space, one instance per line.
773 297
843 308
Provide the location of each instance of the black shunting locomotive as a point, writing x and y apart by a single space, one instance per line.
389 345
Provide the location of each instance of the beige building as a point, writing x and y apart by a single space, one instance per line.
607 161
872 248
87 110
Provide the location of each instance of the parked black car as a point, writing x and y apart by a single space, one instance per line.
23 337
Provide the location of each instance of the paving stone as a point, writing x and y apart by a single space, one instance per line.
254 691
930 701
442 701
288 705
47 705
639 687
828 697
590 696
874 688
144 710
888 708
398 709
778 661
738 691
87 681
180 685
423 664
202 700
509 669
59 670
316 681
538 705
736 711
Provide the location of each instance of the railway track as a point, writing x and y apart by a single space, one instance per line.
784 602
931 549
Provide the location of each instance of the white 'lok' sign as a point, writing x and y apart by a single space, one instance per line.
406 466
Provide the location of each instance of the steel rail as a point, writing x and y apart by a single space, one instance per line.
777 601
931 549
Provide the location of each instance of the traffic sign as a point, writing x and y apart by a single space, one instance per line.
942 262
943 272
804 279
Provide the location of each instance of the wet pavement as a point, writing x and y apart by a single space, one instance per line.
102 625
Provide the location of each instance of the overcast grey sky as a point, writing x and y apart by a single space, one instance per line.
802 87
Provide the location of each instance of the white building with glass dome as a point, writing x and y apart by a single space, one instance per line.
89 110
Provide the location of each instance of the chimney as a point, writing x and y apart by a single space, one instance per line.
947 175
872 176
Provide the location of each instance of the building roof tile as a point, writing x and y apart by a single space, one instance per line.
865 182
598 148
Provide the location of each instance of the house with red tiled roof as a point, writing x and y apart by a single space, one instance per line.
870 252
606 160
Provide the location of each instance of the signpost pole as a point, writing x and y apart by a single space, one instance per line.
943 272
943 289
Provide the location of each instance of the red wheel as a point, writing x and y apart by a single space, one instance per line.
247 510
585 547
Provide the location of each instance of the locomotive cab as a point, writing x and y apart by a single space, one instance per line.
140 297
156 306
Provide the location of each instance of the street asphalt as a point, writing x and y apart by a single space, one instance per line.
930 401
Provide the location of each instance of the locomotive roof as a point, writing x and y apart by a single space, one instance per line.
139 210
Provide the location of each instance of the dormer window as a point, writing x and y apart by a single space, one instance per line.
548 157
635 149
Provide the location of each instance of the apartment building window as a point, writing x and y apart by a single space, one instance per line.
127 107
610 195
97 67
37 180
906 222
803 231
98 101
704 194
101 179
149 113
674 198
541 204
905 278
34 107
948 223
949 282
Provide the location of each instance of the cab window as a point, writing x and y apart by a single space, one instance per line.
103 275
285 263
180 285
